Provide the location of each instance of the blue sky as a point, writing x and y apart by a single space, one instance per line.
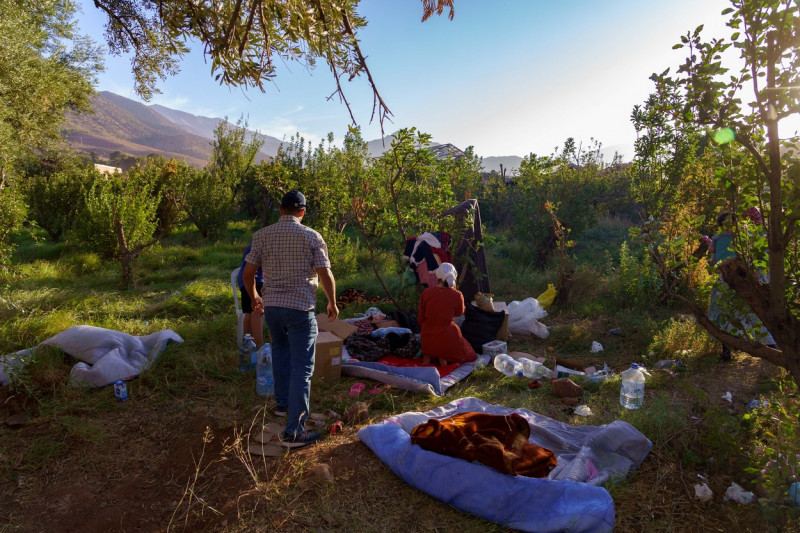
509 77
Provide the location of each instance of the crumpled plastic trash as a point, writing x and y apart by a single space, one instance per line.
752 404
738 494
583 410
374 312
703 492
727 396
794 493
596 347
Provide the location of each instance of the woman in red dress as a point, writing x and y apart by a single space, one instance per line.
438 306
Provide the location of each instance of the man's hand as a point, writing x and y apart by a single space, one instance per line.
333 311
329 286
249 280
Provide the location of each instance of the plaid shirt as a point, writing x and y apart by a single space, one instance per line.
289 253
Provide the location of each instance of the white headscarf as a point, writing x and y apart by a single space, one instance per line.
447 273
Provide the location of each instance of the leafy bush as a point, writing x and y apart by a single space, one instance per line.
12 215
680 339
208 203
637 281
775 455
55 200
117 199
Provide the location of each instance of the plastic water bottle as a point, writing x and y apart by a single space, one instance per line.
533 369
246 351
631 394
265 379
507 365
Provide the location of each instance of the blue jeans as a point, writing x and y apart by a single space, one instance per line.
294 336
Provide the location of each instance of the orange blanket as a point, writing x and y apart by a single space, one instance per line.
498 441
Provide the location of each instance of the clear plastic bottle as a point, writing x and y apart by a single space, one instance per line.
533 369
507 365
246 351
631 393
265 379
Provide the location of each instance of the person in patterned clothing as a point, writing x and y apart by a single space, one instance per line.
294 260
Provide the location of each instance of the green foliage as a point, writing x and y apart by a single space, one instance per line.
12 215
600 243
712 136
637 281
210 193
128 200
208 203
54 200
578 181
47 70
244 41
775 453
682 340
233 154
464 175
124 215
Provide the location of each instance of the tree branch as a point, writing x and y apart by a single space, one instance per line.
757 349
377 100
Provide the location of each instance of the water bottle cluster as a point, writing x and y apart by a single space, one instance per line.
259 359
522 367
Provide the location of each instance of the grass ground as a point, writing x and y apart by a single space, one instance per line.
172 457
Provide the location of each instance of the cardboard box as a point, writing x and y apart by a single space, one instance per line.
340 328
328 358
502 333
495 347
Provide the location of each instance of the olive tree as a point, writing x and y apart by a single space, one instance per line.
244 40
740 113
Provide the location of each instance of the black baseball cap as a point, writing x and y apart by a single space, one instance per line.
293 199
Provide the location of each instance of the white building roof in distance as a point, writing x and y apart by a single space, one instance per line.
107 169
443 151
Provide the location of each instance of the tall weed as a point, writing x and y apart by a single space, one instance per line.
636 281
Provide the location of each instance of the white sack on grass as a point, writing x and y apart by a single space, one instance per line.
105 355
523 318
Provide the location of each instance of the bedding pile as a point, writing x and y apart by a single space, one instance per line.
570 498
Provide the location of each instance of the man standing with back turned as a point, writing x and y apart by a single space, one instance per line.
294 259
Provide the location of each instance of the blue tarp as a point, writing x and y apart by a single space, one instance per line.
570 499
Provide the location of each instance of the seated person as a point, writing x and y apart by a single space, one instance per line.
253 322
438 306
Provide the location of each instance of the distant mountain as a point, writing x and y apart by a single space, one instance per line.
205 127
378 146
510 163
121 124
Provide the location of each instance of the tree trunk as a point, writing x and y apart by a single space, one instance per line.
776 316
374 262
125 256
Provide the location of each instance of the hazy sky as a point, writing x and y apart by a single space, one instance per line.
509 77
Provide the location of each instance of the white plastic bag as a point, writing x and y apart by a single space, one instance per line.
739 495
596 347
523 318
703 492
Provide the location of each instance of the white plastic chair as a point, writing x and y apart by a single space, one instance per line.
237 305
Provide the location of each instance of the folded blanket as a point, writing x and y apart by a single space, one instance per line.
498 441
